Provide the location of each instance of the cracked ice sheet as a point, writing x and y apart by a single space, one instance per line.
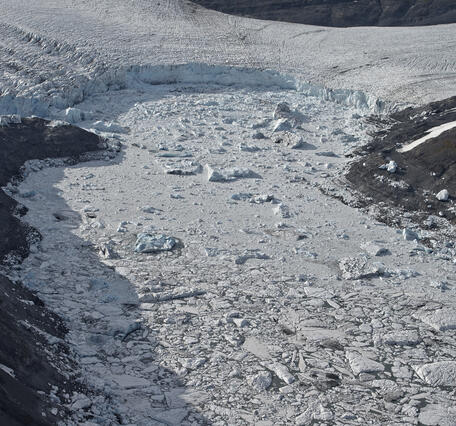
142 354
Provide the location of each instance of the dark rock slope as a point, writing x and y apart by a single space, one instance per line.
421 172
33 356
342 13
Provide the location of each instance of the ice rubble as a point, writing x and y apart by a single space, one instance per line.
252 266
6 120
290 366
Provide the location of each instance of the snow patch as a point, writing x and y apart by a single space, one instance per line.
431 133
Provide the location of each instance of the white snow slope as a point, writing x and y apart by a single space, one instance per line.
278 305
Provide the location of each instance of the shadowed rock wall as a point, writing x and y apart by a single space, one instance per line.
31 337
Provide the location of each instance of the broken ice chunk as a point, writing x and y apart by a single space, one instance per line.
106 250
241 196
399 338
108 127
258 135
282 110
282 210
250 254
282 373
441 373
123 226
375 249
229 175
353 268
262 198
361 364
391 167
388 389
148 243
182 168
192 363
291 140
410 235
261 381
437 415
248 148
150 209
282 125
443 195
441 319
241 322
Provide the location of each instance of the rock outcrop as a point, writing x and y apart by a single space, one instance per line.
342 13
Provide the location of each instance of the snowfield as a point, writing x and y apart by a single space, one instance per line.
204 274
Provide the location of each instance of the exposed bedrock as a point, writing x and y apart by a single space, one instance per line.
421 180
342 13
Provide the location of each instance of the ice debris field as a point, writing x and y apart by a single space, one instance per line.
205 275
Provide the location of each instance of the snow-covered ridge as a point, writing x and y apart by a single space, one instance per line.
50 104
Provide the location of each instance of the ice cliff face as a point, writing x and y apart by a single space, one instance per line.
50 100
